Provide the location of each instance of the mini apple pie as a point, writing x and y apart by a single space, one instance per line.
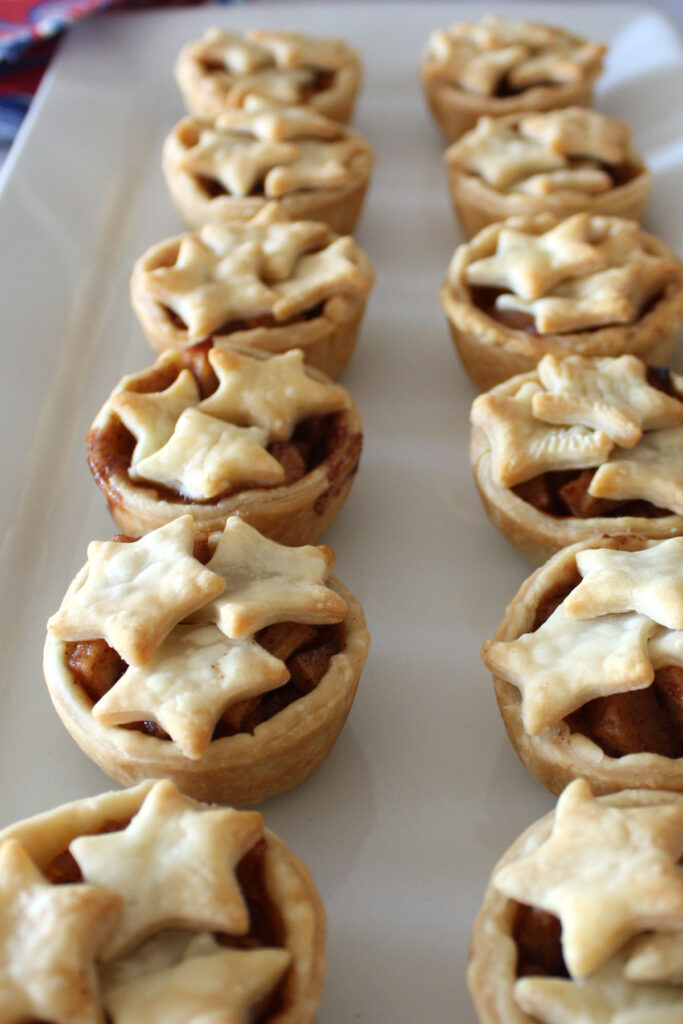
269 284
215 430
587 285
227 168
588 666
227 664
578 447
498 67
223 69
582 920
558 162
145 906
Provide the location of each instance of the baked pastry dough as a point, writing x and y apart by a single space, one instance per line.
189 911
223 69
588 666
215 430
587 285
580 446
558 162
568 906
269 284
498 66
224 169
239 699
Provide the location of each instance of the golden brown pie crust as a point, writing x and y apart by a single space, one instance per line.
537 534
240 770
327 336
340 206
294 514
207 93
456 110
491 352
478 204
289 886
557 755
492 968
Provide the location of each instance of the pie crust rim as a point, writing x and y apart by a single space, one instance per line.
478 204
240 770
491 971
290 885
556 755
285 513
492 352
328 340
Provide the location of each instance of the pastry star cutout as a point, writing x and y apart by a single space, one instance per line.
269 582
188 683
205 456
606 997
529 265
652 471
614 295
522 447
578 131
133 594
207 289
648 581
224 987
562 664
611 395
173 865
274 394
607 872
150 416
501 155
655 958
49 936
236 163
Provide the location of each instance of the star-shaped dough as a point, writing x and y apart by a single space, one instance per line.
582 178
652 471
501 155
152 415
133 594
319 275
606 997
579 132
522 447
234 51
656 957
607 872
614 295
205 456
666 648
530 265
291 49
188 683
648 581
237 162
225 987
208 288
49 937
274 394
174 865
563 664
269 582
611 395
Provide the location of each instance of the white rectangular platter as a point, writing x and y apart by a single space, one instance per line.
403 823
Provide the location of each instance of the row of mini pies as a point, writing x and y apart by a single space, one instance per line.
216 656
583 917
